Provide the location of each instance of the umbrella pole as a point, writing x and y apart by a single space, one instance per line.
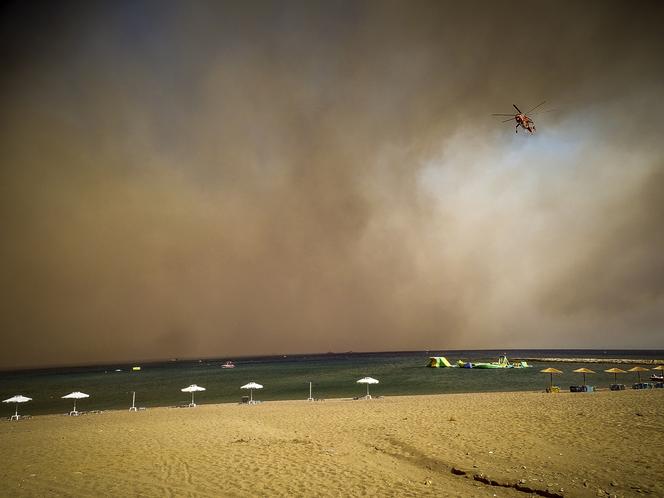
16 413
251 395
551 385
584 378
74 405
192 397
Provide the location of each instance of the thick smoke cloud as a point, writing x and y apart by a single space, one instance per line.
187 180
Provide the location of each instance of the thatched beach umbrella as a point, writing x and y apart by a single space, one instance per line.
19 398
551 371
75 395
638 371
192 389
584 371
660 368
367 381
615 371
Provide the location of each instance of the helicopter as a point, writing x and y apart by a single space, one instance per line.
522 119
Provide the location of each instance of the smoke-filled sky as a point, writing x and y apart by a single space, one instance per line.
191 179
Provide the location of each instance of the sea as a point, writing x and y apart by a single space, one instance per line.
287 377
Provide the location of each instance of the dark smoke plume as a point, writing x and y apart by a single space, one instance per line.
217 179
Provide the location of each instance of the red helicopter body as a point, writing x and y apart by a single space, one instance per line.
522 119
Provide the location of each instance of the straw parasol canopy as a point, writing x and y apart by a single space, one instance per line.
19 398
367 381
192 389
551 371
638 371
655 376
251 386
615 371
584 371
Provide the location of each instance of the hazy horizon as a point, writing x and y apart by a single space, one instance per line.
146 362
219 179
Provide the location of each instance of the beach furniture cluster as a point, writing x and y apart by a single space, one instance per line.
76 395
251 386
192 389
249 399
657 380
19 398
368 381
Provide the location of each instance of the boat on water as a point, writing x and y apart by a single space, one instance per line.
502 362
228 364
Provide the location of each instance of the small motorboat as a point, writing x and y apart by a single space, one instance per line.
228 364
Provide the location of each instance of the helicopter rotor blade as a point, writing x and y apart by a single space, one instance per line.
543 112
517 109
538 105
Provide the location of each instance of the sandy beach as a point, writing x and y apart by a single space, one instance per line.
581 444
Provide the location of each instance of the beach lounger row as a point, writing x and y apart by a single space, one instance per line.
612 387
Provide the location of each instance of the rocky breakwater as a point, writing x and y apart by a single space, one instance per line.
598 360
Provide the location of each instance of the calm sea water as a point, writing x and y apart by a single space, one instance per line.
332 375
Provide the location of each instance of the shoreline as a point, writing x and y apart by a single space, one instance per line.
299 401
185 407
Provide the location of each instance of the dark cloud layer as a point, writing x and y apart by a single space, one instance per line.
194 179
